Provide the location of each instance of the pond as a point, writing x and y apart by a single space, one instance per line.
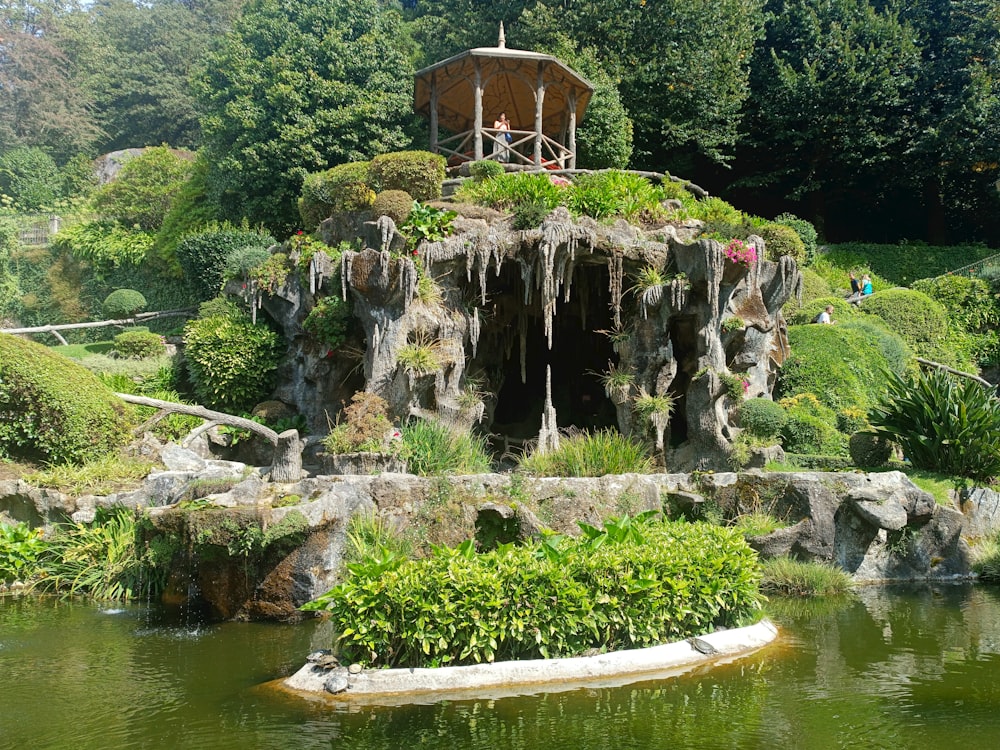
913 668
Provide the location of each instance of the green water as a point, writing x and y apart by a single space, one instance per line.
902 668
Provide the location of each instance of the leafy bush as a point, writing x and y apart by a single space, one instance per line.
920 321
591 455
485 169
973 309
804 229
138 344
942 423
762 418
869 450
611 193
530 215
30 177
52 409
842 365
396 204
231 361
329 320
805 433
203 256
20 547
782 240
104 244
427 224
342 188
627 586
508 191
852 419
191 211
141 193
432 449
419 173
364 426
123 303
241 260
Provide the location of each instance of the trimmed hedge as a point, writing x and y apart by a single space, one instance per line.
52 409
629 586
204 256
138 344
762 418
419 173
905 263
123 303
781 240
920 321
344 187
396 204
231 361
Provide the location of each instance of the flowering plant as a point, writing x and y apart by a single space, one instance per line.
559 181
739 252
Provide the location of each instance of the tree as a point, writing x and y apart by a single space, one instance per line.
297 88
142 192
30 177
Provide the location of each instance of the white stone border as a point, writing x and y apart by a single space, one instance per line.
530 676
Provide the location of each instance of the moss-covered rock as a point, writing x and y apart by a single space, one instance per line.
52 409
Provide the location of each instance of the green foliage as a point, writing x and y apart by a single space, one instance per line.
123 303
613 193
190 212
591 455
396 204
782 240
30 177
419 173
762 418
107 473
105 560
806 232
338 189
294 89
141 194
986 558
52 409
432 449
627 586
805 433
942 423
869 450
973 311
485 169
852 419
203 256
789 577
329 320
530 215
427 224
364 426
508 191
734 385
105 245
419 357
904 263
138 344
231 361
920 321
20 547
370 536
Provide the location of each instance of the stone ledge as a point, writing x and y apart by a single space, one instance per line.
510 678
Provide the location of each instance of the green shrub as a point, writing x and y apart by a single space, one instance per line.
783 575
782 240
804 229
627 586
29 176
942 423
920 321
427 224
203 256
973 310
485 169
231 362
342 188
191 211
241 260
762 418
432 449
869 450
897 354
123 303
141 193
530 215
814 287
986 558
805 433
419 173
20 547
852 419
591 455
508 191
138 344
52 409
612 193
396 204
906 262
838 363
104 245
329 320
363 426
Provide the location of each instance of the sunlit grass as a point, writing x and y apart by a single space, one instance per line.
101 476
783 575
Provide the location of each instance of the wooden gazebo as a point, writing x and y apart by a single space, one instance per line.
543 98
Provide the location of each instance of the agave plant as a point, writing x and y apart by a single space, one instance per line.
942 423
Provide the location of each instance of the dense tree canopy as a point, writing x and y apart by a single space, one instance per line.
298 87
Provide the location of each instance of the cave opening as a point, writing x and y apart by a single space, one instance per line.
684 337
579 353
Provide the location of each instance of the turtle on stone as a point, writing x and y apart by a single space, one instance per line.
702 646
323 659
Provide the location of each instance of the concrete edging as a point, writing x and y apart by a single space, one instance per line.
529 676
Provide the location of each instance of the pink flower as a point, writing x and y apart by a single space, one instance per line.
746 387
738 252
299 232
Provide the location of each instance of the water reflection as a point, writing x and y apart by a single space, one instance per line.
888 668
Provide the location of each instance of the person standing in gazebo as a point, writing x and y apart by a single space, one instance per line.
503 136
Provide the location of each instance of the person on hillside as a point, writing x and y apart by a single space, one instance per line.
502 125
855 285
866 285
826 317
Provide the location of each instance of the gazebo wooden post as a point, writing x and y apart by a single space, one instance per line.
477 85
434 113
571 135
539 102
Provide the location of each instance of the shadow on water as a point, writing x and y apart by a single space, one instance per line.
913 667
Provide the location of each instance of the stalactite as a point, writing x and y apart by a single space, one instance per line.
615 274
548 435
583 295
408 280
474 330
387 230
312 274
659 420
527 275
522 330
678 293
346 268
651 297
716 263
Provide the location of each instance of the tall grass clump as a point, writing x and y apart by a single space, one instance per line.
783 575
508 191
433 449
612 193
986 559
591 455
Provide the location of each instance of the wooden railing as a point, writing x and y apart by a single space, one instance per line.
461 147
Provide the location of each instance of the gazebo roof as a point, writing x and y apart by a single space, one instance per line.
509 80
